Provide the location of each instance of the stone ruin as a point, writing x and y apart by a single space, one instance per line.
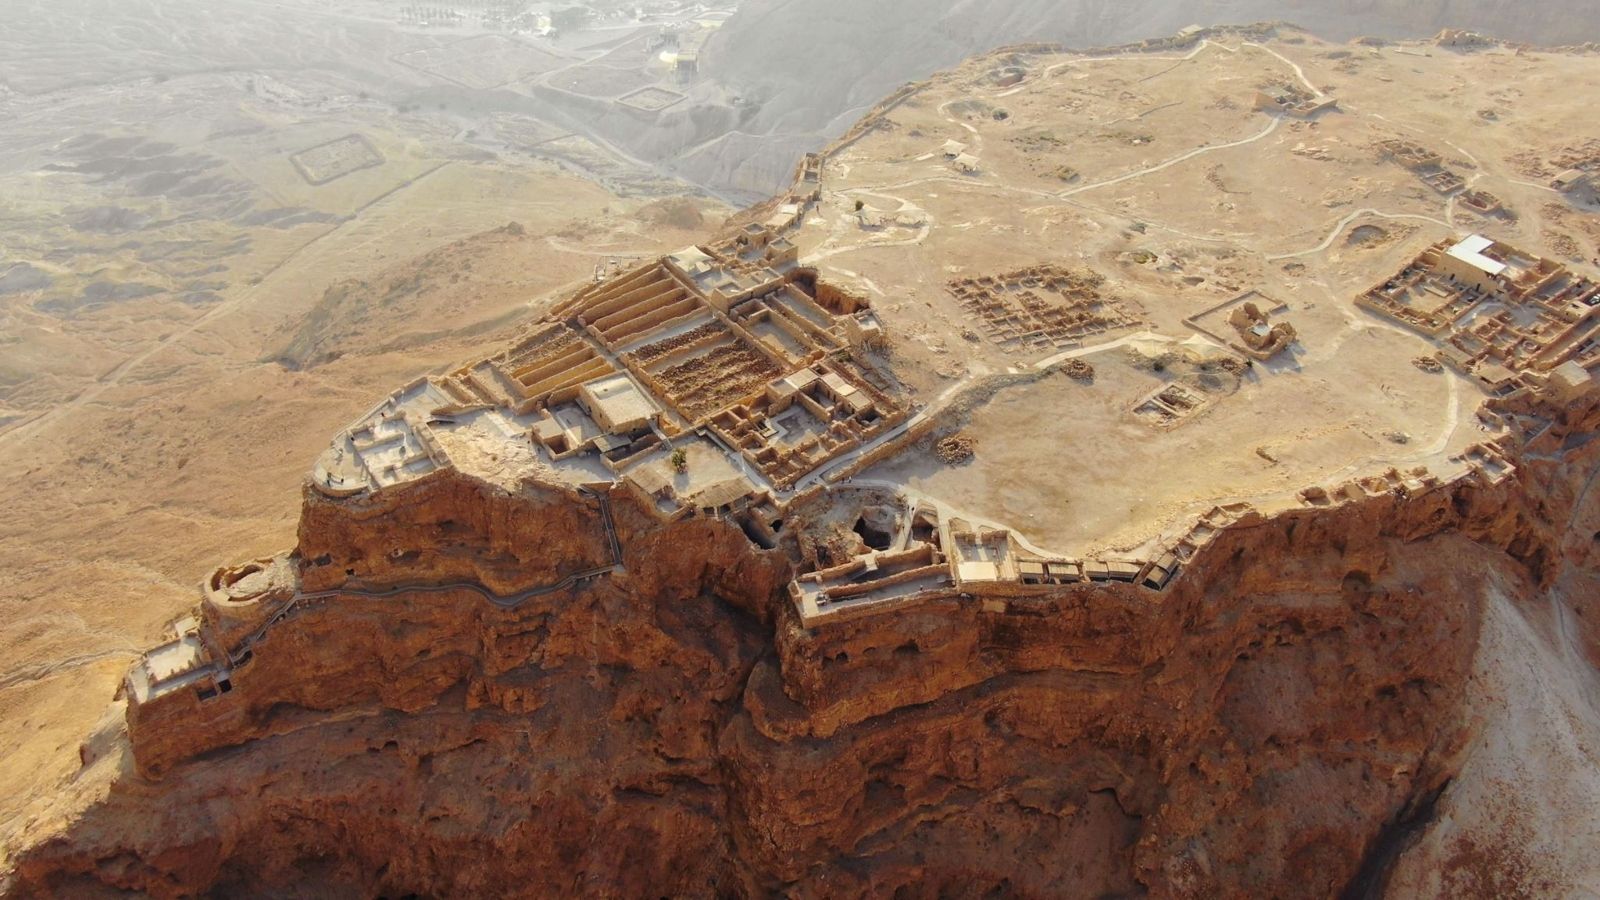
955 449
1078 370
1261 339
1429 167
1292 100
1498 311
1041 308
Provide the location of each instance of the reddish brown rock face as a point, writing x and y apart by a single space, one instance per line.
446 529
1263 727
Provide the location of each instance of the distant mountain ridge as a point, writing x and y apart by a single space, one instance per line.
813 66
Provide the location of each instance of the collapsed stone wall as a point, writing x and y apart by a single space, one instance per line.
1261 727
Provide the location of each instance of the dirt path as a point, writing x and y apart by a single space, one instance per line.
1151 170
1345 223
1298 72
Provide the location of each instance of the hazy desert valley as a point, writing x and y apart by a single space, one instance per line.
1154 469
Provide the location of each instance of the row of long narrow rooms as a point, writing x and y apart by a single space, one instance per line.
726 381
709 382
715 381
720 381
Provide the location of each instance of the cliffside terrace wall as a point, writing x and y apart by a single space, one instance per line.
965 638
341 654
409 648
1178 734
1315 653
1292 701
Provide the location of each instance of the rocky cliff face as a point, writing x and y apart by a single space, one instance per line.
448 528
1265 726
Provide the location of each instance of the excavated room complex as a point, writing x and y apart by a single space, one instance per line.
1044 463
736 382
722 382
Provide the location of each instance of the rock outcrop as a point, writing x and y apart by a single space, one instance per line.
1264 726
449 528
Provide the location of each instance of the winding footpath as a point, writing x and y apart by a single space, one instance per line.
1345 223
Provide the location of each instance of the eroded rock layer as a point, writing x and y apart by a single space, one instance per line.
663 599
1264 726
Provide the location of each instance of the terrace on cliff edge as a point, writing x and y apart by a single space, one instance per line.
945 442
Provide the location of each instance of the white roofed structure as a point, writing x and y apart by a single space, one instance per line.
1470 251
